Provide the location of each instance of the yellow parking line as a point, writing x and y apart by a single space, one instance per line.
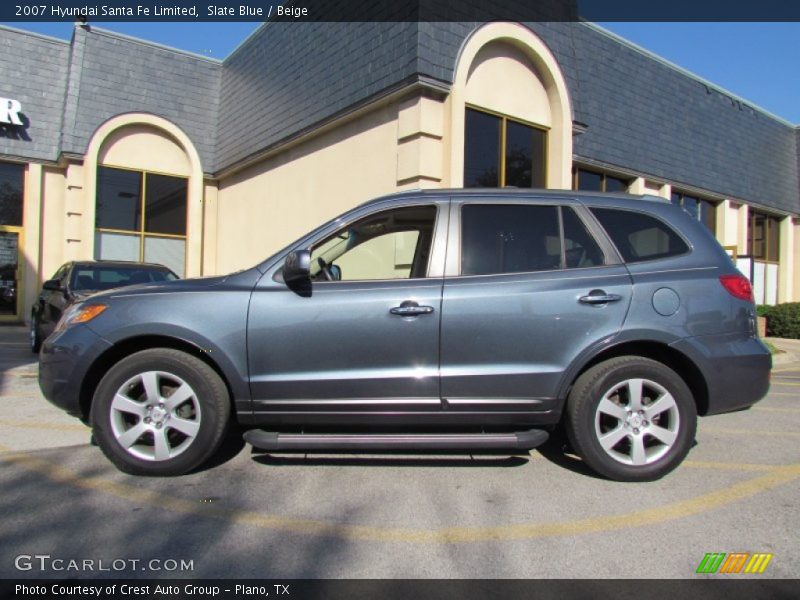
785 382
751 432
784 394
39 425
659 514
723 466
774 409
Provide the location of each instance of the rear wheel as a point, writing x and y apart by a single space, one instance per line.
160 412
631 419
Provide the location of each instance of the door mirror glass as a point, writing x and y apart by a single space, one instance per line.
297 266
52 285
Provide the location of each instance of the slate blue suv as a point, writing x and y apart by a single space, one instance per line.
430 320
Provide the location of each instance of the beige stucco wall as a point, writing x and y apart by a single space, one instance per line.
787 254
53 221
268 205
502 79
796 261
146 148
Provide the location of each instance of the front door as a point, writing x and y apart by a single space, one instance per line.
363 335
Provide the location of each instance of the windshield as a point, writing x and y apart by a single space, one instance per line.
98 277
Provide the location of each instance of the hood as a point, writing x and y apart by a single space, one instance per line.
179 285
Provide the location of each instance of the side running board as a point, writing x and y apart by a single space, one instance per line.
313 442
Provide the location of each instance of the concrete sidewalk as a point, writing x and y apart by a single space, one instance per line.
790 350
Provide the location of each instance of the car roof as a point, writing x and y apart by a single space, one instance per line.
501 194
118 263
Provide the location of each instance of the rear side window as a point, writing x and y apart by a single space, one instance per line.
638 236
509 238
580 248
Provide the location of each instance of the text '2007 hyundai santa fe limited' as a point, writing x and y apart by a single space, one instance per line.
438 320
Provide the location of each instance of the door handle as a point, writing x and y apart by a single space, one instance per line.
599 297
409 308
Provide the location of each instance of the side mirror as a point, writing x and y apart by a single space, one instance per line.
52 285
297 266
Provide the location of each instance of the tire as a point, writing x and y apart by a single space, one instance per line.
625 439
36 336
143 430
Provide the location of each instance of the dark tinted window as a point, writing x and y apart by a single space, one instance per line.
638 236
165 205
481 150
509 239
580 248
615 184
524 155
590 181
11 178
488 162
118 199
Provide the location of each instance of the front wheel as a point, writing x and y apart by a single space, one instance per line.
631 419
160 412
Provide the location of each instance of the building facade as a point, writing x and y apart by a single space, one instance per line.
117 148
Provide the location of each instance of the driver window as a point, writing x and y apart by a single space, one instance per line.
394 244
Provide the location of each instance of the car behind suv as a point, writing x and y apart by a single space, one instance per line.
76 280
429 320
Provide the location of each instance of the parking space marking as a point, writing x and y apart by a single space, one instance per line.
40 425
723 466
751 432
776 409
791 383
784 394
773 477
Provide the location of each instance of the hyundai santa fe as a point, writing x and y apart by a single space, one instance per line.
429 321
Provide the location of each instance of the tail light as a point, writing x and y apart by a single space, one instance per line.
738 286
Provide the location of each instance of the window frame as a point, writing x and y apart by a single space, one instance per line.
681 195
603 180
455 240
501 170
751 221
142 233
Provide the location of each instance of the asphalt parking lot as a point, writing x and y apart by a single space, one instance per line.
285 516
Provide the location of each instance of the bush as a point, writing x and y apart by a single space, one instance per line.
783 320
762 310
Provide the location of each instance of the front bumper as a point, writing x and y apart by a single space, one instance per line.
64 361
736 368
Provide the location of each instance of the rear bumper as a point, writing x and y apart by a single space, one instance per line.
736 368
63 363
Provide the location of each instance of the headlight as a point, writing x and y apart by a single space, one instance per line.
79 313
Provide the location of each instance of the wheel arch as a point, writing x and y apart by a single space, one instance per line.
655 350
131 345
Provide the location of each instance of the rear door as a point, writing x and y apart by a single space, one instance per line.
528 287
